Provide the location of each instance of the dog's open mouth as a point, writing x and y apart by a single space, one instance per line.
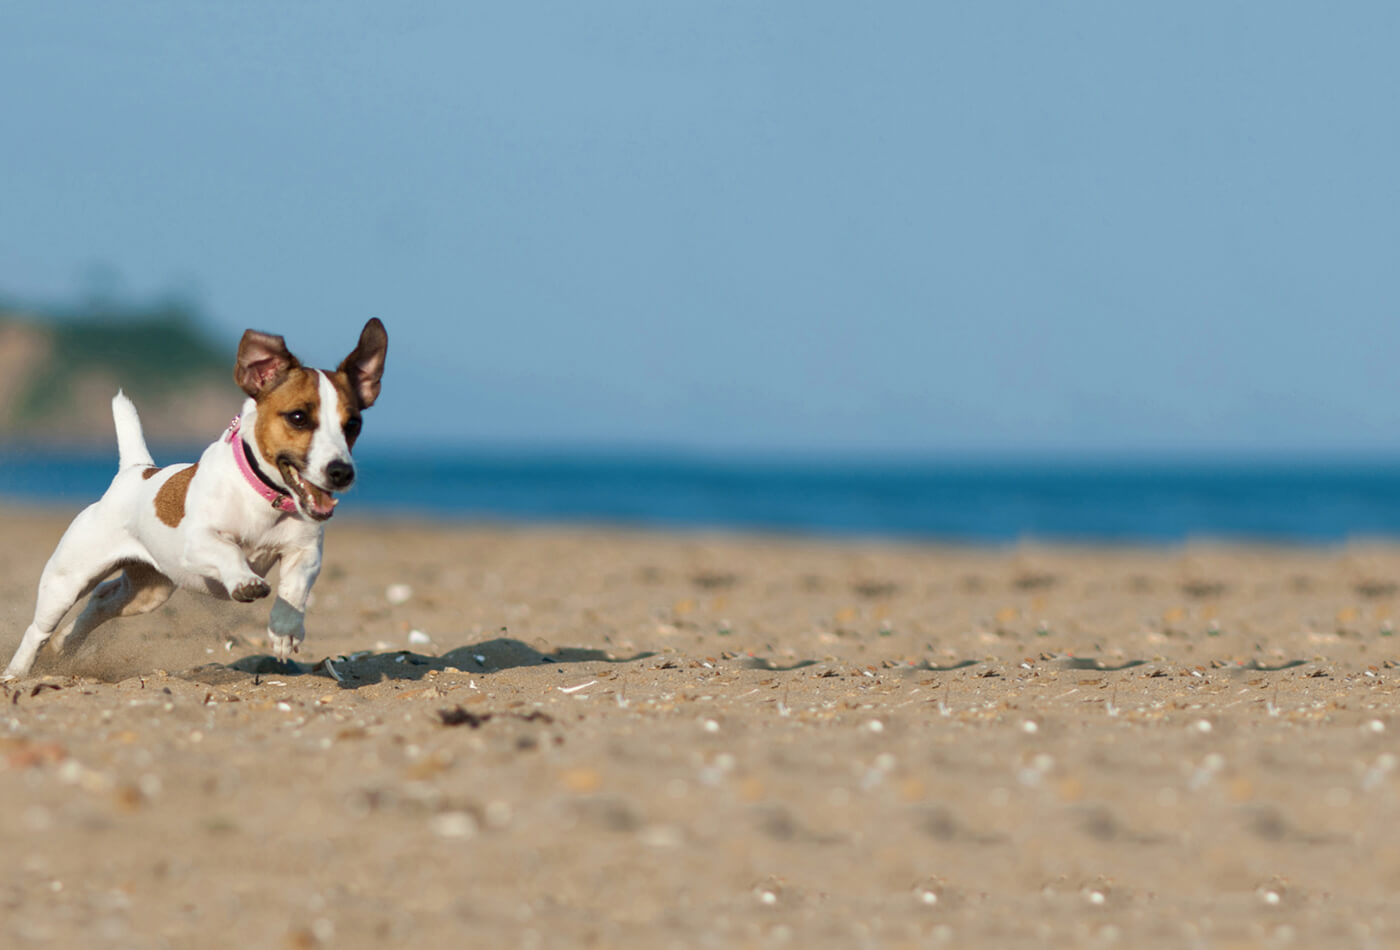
314 500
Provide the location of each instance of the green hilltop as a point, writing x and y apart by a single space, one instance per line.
52 361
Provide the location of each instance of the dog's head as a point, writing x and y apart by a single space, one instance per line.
308 419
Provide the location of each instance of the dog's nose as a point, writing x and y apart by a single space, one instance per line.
340 474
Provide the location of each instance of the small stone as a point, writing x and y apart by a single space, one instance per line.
581 779
454 824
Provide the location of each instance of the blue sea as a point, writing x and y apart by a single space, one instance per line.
980 503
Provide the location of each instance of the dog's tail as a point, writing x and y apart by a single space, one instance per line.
131 444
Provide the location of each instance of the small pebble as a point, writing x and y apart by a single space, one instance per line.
581 779
454 824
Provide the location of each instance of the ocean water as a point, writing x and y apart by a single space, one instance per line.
1129 502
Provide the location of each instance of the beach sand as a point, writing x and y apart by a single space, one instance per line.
588 737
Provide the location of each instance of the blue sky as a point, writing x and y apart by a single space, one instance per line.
918 229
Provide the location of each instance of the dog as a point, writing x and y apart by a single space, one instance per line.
260 494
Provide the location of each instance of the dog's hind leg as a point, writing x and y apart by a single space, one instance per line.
58 592
86 554
139 588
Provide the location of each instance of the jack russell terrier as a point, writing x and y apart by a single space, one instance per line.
260 494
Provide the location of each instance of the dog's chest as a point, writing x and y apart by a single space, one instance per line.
287 535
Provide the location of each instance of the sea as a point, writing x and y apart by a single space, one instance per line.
982 503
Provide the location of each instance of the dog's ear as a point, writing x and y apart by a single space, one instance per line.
365 365
263 359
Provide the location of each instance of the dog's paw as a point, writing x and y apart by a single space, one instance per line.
283 646
250 590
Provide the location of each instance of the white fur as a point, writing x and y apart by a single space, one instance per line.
328 441
131 444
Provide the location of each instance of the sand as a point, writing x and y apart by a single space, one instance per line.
588 737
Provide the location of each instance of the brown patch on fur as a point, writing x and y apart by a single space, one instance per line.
150 471
170 498
300 390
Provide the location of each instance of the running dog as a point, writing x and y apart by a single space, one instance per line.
259 495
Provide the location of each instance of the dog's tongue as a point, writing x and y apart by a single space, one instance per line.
321 503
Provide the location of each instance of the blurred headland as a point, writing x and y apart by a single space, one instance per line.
60 367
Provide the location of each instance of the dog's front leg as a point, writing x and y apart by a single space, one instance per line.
210 554
286 628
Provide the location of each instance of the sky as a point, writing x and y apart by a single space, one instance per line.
899 230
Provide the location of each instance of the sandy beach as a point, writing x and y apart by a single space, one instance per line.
597 738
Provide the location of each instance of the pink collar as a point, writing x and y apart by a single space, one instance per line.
280 500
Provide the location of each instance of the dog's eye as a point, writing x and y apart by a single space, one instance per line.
298 419
352 427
